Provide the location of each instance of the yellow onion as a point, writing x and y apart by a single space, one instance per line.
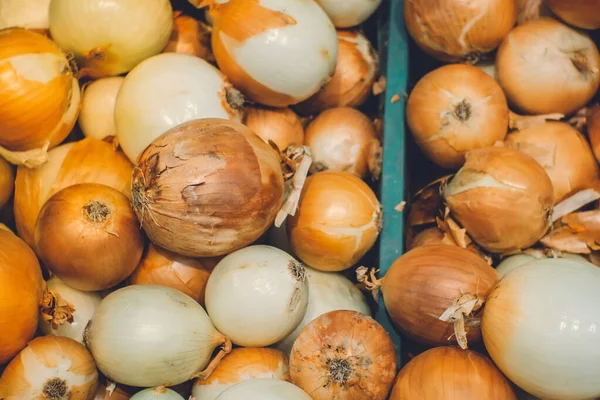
352 82
110 37
547 67
349 13
28 14
344 139
21 287
455 109
97 116
190 36
579 13
277 53
50 368
456 31
161 267
40 96
281 125
433 294
85 161
563 152
450 373
338 220
502 197
7 181
88 236
343 355
240 365
207 187
593 129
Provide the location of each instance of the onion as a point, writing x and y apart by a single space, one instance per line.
540 328
97 116
281 125
355 72
240 365
580 13
593 129
190 36
40 96
110 37
547 67
159 393
350 13
52 368
66 311
427 237
264 389
86 161
7 182
167 90
327 291
207 187
266 295
490 180
459 31
455 109
21 287
161 267
344 139
277 53
104 393
521 259
88 236
343 355
158 356
28 14
338 220
489 67
450 373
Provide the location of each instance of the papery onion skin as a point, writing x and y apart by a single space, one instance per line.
53 368
160 393
580 13
424 282
190 36
451 373
197 214
540 328
261 389
344 355
337 222
109 38
490 179
21 287
301 60
547 67
349 13
97 116
7 182
593 129
455 109
281 125
85 161
240 365
451 31
28 14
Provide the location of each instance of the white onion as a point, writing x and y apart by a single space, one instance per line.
29 14
327 291
349 13
257 295
264 389
541 327
167 90
518 260
97 115
110 37
159 393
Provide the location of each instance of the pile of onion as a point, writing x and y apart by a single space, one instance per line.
579 13
28 14
540 328
593 129
167 90
40 96
97 116
21 287
451 31
344 355
450 373
182 188
491 180
455 109
349 13
261 389
190 36
281 125
547 67
7 181
280 72
355 72
159 393
240 365
50 368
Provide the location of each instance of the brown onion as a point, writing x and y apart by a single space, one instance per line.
593 129
454 109
207 187
161 267
7 181
88 236
547 67
281 125
343 355
190 36
436 236
580 13
502 197
450 373
456 31
562 151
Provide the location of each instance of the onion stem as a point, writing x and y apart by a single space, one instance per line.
463 306
55 310
521 122
301 160
31 158
226 348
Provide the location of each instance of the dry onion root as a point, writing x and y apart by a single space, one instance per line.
580 13
190 36
280 125
7 181
97 116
